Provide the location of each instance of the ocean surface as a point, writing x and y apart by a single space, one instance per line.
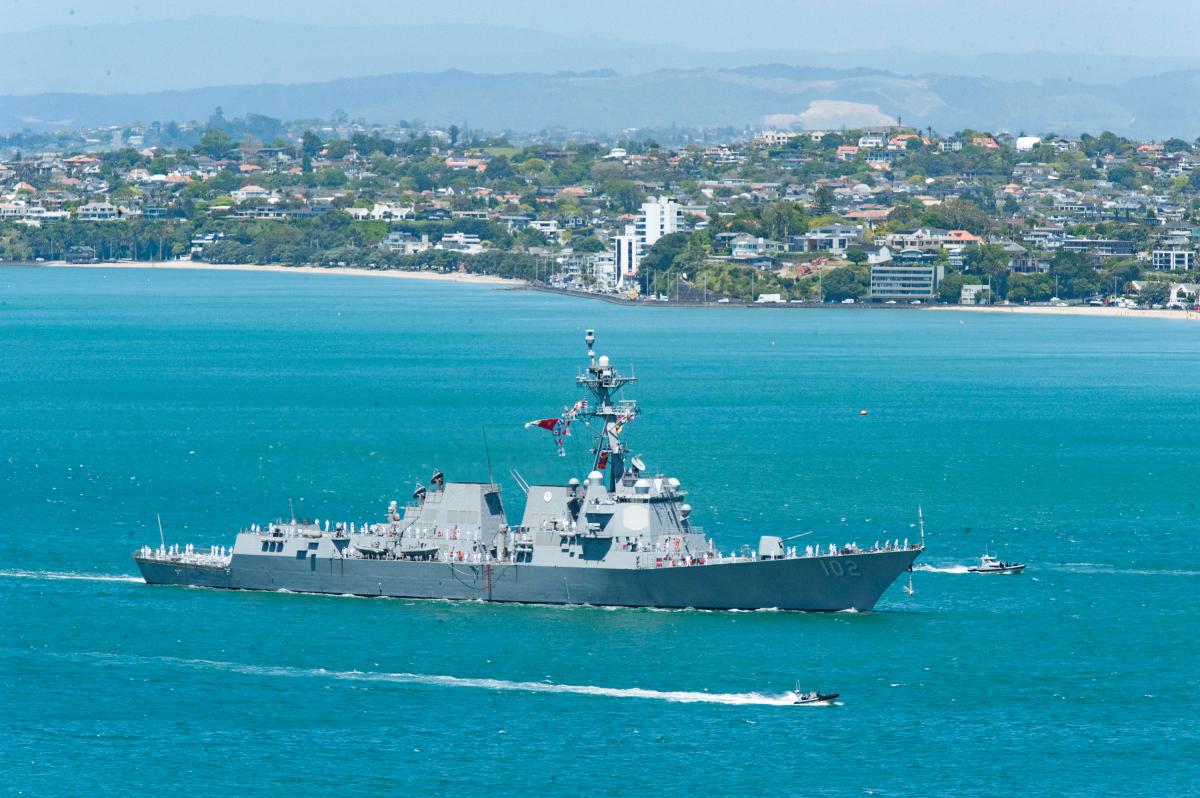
215 399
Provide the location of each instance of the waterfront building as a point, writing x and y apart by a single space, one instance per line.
626 258
905 281
1169 260
97 212
406 243
973 294
658 217
834 239
461 242
1105 247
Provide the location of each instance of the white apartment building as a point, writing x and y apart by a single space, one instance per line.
626 258
659 217
1173 260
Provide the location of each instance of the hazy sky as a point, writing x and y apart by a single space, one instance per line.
1145 27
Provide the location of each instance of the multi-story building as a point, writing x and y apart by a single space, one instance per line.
406 243
1173 259
626 258
834 239
97 212
905 281
1107 247
461 242
659 217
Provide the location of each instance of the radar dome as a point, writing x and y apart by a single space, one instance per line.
673 482
603 362
595 476
572 482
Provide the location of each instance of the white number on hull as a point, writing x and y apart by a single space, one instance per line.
836 568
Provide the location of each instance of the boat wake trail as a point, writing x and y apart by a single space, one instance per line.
946 569
678 697
1098 568
68 575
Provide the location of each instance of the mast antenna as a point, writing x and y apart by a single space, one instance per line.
921 524
487 453
161 539
292 509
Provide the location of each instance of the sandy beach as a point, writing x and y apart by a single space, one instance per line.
1073 310
456 277
487 279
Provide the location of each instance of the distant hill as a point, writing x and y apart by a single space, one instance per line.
611 101
141 57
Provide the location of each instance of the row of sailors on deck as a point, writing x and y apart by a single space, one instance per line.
852 548
188 551
291 529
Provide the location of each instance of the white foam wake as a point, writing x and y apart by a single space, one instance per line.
1097 568
61 575
674 696
943 569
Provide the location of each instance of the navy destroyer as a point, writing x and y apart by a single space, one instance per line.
624 536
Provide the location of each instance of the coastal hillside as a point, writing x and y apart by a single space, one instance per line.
606 100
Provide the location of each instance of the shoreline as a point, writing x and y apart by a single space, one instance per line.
452 277
487 279
1072 310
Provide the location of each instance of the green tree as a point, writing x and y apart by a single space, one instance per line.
625 195
337 148
663 254
331 178
1154 293
843 283
950 288
1030 288
586 244
1075 274
310 143
499 168
959 214
823 199
1124 176
216 144
990 260
781 219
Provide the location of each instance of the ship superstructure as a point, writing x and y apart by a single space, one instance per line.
623 536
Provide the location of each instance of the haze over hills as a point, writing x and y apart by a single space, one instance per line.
74 76
140 57
611 102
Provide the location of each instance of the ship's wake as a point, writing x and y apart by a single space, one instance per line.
69 575
1100 568
433 680
941 569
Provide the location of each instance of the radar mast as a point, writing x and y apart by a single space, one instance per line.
604 382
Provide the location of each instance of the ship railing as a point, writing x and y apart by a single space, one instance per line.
673 559
214 557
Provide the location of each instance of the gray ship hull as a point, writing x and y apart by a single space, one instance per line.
818 584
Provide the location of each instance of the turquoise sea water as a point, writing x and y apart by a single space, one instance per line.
213 399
